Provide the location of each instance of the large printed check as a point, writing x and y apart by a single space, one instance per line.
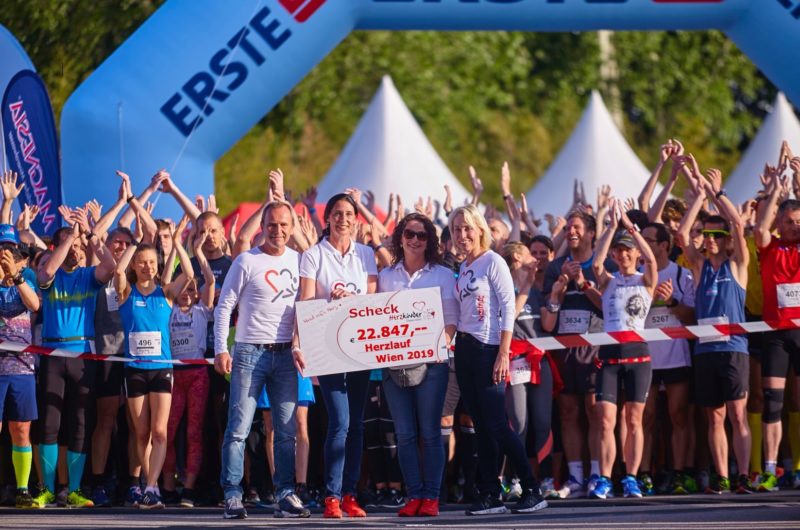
371 331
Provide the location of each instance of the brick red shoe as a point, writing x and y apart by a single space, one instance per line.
429 508
411 509
332 509
350 507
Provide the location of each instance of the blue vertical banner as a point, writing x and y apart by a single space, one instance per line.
31 146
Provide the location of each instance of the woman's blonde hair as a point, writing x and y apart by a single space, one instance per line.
475 219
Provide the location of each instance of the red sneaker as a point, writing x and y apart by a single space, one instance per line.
429 508
350 507
332 509
411 509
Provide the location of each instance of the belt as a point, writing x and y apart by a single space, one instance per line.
627 360
66 339
278 346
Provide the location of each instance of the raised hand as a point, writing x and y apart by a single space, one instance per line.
212 204
355 193
310 197
276 184
66 212
505 179
477 185
448 200
630 204
714 179
369 200
95 210
603 194
307 229
232 231
666 151
8 185
677 148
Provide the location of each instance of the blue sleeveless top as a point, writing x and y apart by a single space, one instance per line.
720 295
145 320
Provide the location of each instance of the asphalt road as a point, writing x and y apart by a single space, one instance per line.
770 511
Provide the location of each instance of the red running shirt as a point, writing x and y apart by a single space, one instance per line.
780 277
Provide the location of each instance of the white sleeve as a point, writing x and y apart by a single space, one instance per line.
503 286
451 309
228 298
309 263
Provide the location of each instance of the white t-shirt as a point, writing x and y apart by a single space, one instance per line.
187 331
485 292
265 289
626 303
331 270
671 353
396 278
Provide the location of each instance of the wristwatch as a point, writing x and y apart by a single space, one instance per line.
551 307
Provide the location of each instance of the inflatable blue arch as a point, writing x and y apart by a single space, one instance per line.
198 74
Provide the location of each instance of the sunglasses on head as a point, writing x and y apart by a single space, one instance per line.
716 234
410 234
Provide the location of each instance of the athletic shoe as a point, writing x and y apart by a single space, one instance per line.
234 509
602 488
514 491
530 502
571 489
630 487
44 499
392 499
251 498
7 494
133 497
769 482
76 499
591 484
743 485
718 485
690 484
548 488
664 482
332 508
290 506
645 483
301 490
187 498
23 499
429 508
151 501
351 508
703 480
679 486
170 498
488 504
411 509
100 497
61 497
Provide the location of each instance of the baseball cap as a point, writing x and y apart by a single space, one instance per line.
623 238
8 234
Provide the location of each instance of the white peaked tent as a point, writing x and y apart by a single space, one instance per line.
781 124
595 154
389 153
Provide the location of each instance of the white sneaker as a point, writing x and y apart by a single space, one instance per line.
572 489
515 491
548 489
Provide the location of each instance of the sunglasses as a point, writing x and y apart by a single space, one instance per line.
410 234
716 234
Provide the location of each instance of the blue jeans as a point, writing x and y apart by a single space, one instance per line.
345 396
254 366
422 403
485 403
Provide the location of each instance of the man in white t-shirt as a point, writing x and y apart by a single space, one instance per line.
263 283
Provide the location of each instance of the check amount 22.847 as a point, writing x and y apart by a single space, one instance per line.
383 332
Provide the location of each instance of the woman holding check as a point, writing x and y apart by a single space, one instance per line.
336 267
416 393
485 293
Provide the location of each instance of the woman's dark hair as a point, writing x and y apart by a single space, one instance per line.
431 245
329 206
141 248
544 240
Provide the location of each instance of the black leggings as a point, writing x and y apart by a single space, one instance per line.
529 405
66 385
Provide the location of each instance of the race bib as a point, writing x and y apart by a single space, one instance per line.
661 317
112 299
714 320
144 343
788 295
183 344
573 321
520 371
